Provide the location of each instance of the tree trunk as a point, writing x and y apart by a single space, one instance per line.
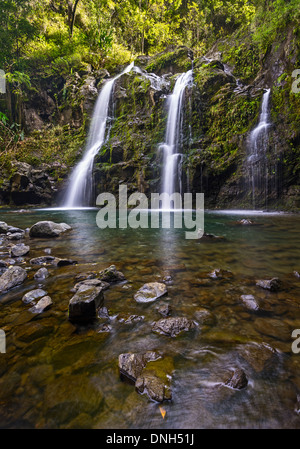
73 15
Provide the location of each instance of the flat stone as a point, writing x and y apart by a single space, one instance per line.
12 277
150 292
92 283
173 326
19 250
84 304
43 304
154 387
33 295
48 229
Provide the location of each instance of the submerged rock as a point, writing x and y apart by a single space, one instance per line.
131 319
84 304
19 250
173 326
272 284
12 277
111 275
42 305
150 292
164 310
218 273
204 316
238 380
259 356
48 229
33 295
51 260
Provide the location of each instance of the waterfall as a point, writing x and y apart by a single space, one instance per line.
80 189
171 179
257 161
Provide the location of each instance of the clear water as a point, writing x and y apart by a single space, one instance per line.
57 375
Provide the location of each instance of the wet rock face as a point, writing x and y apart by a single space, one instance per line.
43 304
150 292
84 304
173 326
48 229
153 386
41 274
13 277
33 295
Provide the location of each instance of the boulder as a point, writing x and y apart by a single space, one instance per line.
41 274
19 250
111 275
42 305
15 235
273 284
33 295
150 292
48 229
12 277
84 304
173 326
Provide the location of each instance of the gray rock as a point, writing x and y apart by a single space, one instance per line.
92 283
273 284
150 292
41 274
20 249
173 326
43 304
3 264
237 380
33 295
250 302
48 229
111 275
131 365
84 304
13 277
50 260
131 319
14 230
103 312
15 235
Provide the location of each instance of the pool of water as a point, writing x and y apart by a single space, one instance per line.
55 374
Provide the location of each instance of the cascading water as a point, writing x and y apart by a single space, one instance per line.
79 191
257 161
171 180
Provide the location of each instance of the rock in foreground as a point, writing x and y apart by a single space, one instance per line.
84 304
48 229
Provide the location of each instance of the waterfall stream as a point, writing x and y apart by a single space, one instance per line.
80 189
257 161
171 179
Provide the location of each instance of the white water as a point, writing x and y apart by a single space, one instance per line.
171 147
257 156
79 191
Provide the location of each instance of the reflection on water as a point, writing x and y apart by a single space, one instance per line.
55 374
